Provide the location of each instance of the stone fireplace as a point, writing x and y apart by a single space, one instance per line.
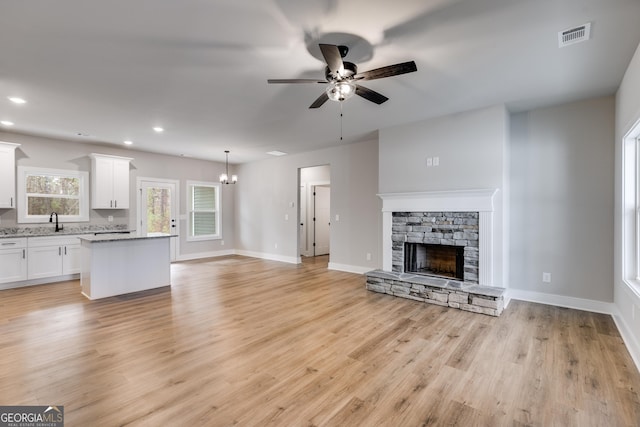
438 248
441 243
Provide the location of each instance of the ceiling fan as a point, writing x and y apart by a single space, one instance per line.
343 77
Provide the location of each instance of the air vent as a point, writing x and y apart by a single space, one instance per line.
574 35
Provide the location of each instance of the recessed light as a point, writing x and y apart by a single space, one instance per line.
6 123
17 100
158 129
127 142
277 153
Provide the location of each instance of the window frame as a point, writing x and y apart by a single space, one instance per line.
190 211
630 209
83 196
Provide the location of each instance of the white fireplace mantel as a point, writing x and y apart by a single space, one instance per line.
475 200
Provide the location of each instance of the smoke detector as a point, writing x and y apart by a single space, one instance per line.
574 35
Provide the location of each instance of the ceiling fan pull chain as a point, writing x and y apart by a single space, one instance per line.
340 121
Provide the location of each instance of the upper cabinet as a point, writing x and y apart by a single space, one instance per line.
8 174
109 182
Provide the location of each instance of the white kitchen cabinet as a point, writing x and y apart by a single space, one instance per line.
13 260
8 174
53 256
109 182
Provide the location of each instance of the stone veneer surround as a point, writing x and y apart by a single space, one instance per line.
437 228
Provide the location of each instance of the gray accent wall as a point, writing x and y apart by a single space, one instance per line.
268 190
562 172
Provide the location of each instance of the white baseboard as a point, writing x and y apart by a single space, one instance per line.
562 301
587 305
628 337
349 268
200 255
271 257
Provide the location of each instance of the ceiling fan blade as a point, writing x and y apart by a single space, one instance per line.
332 57
270 81
388 71
370 95
321 100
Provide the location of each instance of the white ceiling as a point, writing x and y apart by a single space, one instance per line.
114 69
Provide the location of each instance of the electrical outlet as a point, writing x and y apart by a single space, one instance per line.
436 161
286 217
337 217
110 218
546 277
275 246
368 256
429 162
221 242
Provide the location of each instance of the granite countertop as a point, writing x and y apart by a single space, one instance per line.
112 237
13 232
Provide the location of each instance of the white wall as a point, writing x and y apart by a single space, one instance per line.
60 154
562 199
473 153
626 300
268 188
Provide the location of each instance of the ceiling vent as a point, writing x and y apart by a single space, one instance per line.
574 35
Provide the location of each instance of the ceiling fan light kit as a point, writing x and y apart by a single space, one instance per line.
340 91
343 77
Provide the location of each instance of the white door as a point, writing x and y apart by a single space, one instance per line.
322 218
158 209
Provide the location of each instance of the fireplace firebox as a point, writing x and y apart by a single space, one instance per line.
434 260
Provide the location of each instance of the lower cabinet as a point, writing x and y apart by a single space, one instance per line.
53 256
13 260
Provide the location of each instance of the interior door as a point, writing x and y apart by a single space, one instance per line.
322 218
158 210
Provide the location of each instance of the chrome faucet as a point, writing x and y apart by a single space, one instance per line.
58 228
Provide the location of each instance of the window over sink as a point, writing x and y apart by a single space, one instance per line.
42 191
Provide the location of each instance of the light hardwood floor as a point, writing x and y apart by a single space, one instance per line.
241 341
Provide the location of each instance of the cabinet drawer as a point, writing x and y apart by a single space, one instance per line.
13 243
36 242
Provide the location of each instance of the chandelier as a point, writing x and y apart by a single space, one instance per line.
224 177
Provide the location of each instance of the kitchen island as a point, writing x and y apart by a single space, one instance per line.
116 264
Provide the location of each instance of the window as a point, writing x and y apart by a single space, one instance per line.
631 209
204 210
42 191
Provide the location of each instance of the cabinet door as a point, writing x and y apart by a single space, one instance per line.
102 184
45 261
13 265
121 184
7 177
71 259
